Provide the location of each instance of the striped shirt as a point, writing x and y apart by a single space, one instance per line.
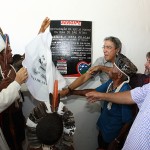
139 135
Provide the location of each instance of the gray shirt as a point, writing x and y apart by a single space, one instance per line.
103 75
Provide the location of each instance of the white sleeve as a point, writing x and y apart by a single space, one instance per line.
8 95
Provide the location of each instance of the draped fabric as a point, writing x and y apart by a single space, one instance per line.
41 70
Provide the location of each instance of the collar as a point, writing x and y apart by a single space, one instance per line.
107 62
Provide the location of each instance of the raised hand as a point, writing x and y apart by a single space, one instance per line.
45 24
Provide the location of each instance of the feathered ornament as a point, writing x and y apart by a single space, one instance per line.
55 97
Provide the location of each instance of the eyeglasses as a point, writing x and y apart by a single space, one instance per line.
107 47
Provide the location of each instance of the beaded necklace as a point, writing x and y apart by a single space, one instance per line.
3 74
110 89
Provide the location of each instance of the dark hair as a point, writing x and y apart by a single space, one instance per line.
17 61
116 41
17 57
49 129
148 54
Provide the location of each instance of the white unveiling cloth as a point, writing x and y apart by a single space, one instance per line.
41 70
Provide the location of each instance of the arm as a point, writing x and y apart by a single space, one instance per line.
99 68
121 137
119 98
124 132
85 77
8 95
45 24
78 82
81 92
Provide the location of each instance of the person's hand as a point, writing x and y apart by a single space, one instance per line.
94 70
64 92
113 145
45 24
93 96
147 71
21 75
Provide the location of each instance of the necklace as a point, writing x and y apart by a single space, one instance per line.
117 89
110 90
3 72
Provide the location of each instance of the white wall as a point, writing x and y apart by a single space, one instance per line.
125 19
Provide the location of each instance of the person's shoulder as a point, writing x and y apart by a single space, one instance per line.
126 86
108 81
138 80
99 61
105 83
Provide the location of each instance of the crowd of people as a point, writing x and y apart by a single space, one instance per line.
122 91
12 121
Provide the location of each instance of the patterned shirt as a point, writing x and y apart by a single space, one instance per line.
139 135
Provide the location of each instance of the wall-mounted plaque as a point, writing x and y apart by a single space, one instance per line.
71 46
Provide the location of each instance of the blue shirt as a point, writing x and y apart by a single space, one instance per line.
111 121
139 135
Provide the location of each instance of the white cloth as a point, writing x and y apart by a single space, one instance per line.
41 70
9 95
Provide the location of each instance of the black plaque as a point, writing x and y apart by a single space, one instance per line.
71 46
